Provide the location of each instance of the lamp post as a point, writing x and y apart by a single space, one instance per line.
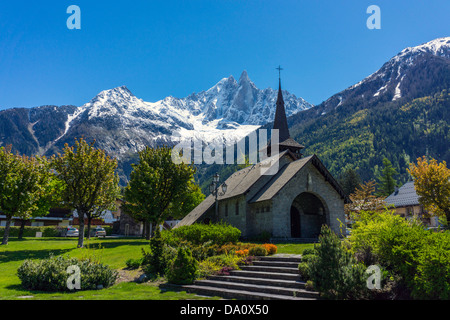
214 189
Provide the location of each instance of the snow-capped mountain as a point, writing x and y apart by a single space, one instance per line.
412 72
122 123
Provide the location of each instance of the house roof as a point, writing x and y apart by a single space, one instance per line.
405 196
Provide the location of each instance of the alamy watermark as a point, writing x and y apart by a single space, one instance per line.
74 20
374 280
374 21
74 280
197 151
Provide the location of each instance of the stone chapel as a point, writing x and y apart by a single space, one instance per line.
292 204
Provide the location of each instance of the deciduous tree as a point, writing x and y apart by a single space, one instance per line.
22 184
432 184
90 182
364 199
156 183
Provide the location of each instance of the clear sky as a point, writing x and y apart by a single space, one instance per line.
159 48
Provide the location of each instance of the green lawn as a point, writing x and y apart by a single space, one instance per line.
111 251
293 248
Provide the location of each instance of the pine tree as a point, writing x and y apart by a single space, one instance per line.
386 180
349 181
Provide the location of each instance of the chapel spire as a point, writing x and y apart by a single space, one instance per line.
280 121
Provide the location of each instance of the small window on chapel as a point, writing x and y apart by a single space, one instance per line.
226 210
237 208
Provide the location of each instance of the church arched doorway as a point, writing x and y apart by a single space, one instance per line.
307 216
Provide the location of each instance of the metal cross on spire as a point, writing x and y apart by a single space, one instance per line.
279 71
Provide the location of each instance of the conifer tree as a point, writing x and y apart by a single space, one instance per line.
387 181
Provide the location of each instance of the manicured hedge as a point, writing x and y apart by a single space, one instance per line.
51 274
197 234
50 231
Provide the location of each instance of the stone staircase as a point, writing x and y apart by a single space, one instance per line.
268 278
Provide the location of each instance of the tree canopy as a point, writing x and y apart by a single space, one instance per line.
90 182
23 183
158 187
432 184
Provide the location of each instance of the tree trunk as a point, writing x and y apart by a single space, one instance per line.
89 227
81 230
144 229
22 227
149 231
7 227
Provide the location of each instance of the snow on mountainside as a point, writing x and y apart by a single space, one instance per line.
122 124
399 76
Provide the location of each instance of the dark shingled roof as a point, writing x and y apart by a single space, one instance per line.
237 184
280 179
406 196
198 211
241 181
288 171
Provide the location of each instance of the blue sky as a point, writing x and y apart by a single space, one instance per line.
162 48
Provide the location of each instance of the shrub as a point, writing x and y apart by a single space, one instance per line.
51 274
308 257
432 279
248 260
309 285
207 268
271 248
197 234
48 231
309 251
257 251
304 271
182 270
418 258
242 253
133 263
226 260
334 271
225 271
154 260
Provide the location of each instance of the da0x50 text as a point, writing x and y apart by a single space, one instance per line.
246 309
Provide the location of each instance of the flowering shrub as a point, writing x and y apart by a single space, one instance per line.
257 251
241 253
271 248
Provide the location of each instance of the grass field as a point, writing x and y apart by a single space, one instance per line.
111 251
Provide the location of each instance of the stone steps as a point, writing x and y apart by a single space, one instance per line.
276 263
296 284
272 277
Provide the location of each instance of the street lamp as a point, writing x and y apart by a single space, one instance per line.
214 189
